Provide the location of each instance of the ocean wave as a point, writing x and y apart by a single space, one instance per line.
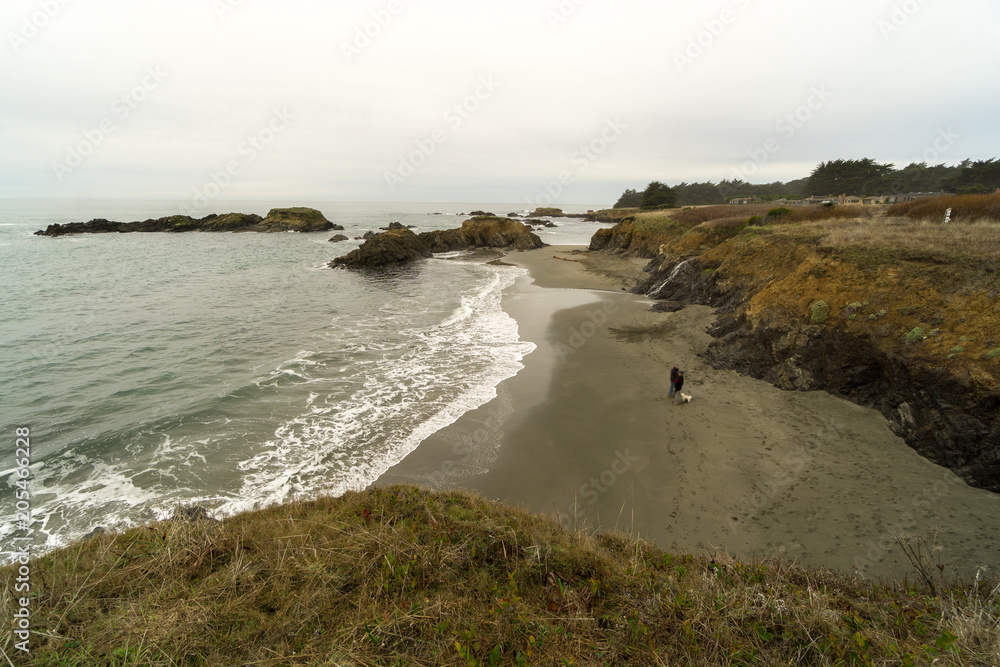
390 370
408 392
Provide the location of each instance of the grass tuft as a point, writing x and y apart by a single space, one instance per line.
404 576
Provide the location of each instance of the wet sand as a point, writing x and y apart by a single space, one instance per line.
587 433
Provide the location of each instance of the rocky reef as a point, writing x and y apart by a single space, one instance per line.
911 336
399 245
297 219
396 246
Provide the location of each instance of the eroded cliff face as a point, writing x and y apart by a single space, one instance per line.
915 341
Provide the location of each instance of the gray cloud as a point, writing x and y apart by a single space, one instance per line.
701 88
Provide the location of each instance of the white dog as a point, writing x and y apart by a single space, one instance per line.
685 398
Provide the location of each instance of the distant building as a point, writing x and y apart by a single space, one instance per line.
745 200
912 196
816 200
851 200
874 200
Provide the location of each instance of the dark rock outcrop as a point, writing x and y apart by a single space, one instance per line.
499 233
297 219
447 240
338 238
626 238
277 220
386 249
484 232
545 212
401 245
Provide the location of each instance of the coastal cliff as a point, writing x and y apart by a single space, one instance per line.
398 246
297 219
891 313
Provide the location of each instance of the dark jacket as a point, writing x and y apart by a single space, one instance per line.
673 374
679 383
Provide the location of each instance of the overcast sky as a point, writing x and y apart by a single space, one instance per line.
442 100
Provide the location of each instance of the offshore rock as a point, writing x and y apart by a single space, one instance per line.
299 219
398 246
484 232
386 249
277 220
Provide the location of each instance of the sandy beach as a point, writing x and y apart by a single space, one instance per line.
587 432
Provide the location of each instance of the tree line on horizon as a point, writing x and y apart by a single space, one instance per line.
863 178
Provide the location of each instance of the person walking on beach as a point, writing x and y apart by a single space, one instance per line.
678 385
673 377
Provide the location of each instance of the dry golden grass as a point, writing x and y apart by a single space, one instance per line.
721 224
963 207
701 214
405 577
816 213
978 239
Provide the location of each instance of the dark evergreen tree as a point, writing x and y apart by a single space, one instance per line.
658 195
698 194
629 199
980 177
851 177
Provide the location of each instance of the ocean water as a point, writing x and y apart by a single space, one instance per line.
231 370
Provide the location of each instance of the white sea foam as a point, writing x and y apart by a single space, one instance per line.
408 393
